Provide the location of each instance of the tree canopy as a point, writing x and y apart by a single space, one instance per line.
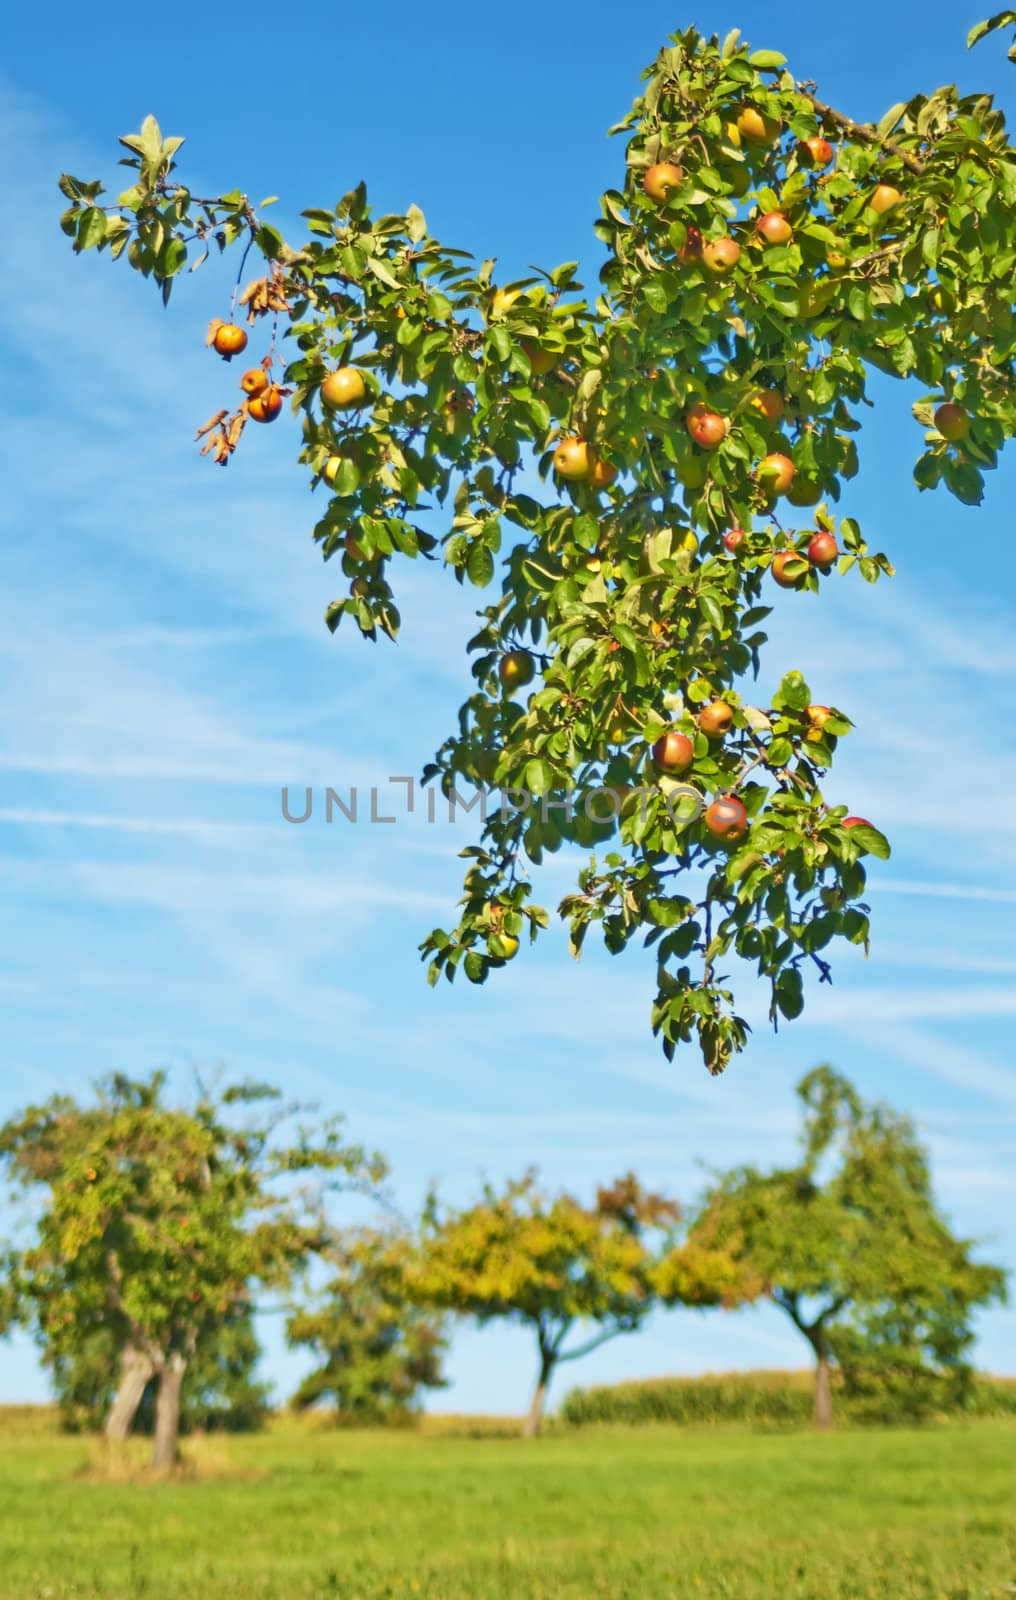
377 1349
155 1225
850 1243
556 1266
636 472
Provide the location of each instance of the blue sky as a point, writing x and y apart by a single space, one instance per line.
165 669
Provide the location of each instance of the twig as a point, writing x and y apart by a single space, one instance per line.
858 131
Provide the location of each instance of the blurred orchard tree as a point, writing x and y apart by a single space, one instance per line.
152 1226
850 1243
557 1266
377 1349
634 473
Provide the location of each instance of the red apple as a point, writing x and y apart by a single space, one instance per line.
822 550
855 822
770 403
884 197
774 228
785 579
716 719
733 540
720 256
691 250
776 473
952 421
819 151
726 819
673 752
661 178
706 427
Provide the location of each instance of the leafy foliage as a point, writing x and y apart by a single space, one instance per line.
1001 19
895 252
221 1391
553 1264
153 1226
377 1348
850 1244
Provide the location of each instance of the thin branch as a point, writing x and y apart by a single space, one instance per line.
591 1344
857 130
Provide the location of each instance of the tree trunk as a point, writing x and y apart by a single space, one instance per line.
135 1370
823 1392
534 1421
167 1413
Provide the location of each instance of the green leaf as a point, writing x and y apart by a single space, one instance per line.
91 228
479 565
381 270
870 841
767 60
416 224
475 967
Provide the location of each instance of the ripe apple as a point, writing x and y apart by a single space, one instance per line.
726 819
819 151
516 669
673 752
952 421
540 360
707 428
776 473
602 473
774 228
343 389
884 197
720 256
266 406
755 127
822 550
855 822
255 381
734 539
661 178
229 340
785 579
691 250
571 459
716 719
770 403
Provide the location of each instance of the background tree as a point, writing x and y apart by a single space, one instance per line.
557 1266
155 1225
852 1246
377 1348
695 419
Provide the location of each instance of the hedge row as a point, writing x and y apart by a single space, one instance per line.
762 1399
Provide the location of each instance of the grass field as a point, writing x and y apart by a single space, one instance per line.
605 1514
